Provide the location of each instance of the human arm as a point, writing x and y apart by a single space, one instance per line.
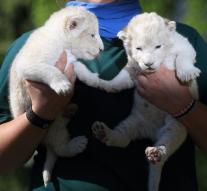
164 90
18 137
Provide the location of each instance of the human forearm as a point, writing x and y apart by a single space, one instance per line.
196 123
18 140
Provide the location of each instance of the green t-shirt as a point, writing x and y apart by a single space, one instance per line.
107 168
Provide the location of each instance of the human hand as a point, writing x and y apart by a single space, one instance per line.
45 102
163 89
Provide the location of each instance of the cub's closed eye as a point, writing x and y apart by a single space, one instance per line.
92 35
139 48
158 46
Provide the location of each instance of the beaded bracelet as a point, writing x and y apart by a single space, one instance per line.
185 110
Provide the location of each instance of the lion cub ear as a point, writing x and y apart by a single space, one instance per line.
74 24
170 24
122 34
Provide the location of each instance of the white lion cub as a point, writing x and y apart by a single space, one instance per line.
74 30
149 41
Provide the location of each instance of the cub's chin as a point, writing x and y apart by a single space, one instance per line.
89 56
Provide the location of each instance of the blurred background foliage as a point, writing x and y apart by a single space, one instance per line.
19 16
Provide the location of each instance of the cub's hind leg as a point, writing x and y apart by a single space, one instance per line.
169 139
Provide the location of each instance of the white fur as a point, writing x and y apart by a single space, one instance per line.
151 40
74 30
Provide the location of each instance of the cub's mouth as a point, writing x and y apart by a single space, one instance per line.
150 70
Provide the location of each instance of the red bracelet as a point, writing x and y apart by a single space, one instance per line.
185 110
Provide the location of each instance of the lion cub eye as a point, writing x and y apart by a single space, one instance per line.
139 48
158 46
92 35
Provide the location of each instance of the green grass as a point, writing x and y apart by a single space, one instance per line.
15 181
201 162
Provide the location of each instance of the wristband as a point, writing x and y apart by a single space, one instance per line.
36 120
185 110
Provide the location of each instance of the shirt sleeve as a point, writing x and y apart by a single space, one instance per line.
5 114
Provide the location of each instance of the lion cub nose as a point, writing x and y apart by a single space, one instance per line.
148 64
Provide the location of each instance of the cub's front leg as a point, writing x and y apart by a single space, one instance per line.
47 74
185 59
185 69
121 82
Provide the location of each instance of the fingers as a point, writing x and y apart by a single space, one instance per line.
142 80
65 68
141 91
62 61
32 87
70 74
142 84
32 84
